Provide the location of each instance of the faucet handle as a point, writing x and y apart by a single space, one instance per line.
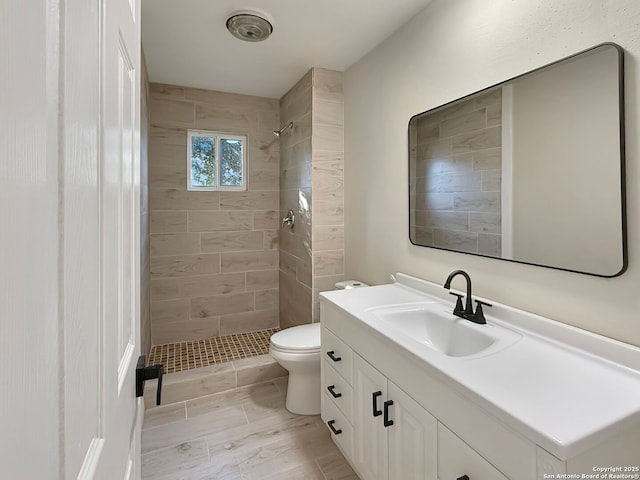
479 315
458 310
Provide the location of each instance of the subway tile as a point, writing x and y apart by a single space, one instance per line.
163 136
174 243
491 97
451 182
328 178
328 113
205 285
478 140
248 321
249 371
181 199
465 123
446 220
262 280
231 241
329 262
491 180
164 289
328 237
168 176
445 165
218 305
172 331
297 106
169 311
434 201
434 150
489 244
485 222
248 261
168 222
300 132
185 265
162 90
304 269
225 118
266 300
267 220
329 209
326 137
270 240
203 221
477 202
231 99
454 240
327 84
288 263
324 284
249 200
171 113
167 155
494 115
487 159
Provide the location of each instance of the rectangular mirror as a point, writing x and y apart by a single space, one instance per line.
530 170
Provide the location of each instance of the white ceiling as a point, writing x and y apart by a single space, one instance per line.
186 41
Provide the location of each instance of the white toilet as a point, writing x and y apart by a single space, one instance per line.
297 349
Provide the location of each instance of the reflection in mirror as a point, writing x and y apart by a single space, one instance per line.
530 170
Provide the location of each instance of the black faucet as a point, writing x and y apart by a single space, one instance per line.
466 312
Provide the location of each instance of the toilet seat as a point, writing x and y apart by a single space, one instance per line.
298 339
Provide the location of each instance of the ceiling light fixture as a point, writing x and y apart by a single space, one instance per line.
249 26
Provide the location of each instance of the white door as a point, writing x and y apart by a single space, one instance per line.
119 236
370 393
413 439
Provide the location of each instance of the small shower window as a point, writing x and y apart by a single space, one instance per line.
216 161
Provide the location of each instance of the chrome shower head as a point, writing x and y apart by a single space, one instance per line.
277 133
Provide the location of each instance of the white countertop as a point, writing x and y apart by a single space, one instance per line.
565 389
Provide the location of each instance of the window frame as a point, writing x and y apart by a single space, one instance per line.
218 137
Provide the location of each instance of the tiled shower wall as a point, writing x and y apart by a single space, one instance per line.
458 176
214 255
311 173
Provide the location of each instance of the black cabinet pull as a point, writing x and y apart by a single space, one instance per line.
374 398
334 430
463 477
331 355
385 419
331 389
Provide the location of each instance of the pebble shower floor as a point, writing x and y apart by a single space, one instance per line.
177 357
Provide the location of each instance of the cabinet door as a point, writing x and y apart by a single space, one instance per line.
413 439
371 451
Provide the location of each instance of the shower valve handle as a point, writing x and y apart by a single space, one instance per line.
289 220
147 373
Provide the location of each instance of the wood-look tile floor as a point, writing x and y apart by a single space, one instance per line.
243 434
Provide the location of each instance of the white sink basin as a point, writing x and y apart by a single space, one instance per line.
440 330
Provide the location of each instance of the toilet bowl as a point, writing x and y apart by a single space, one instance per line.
297 349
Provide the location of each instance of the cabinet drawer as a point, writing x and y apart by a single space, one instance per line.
342 395
344 439
338 355
456 459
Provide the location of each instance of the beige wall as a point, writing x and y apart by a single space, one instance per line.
214 255
426 64
145 289
312 159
